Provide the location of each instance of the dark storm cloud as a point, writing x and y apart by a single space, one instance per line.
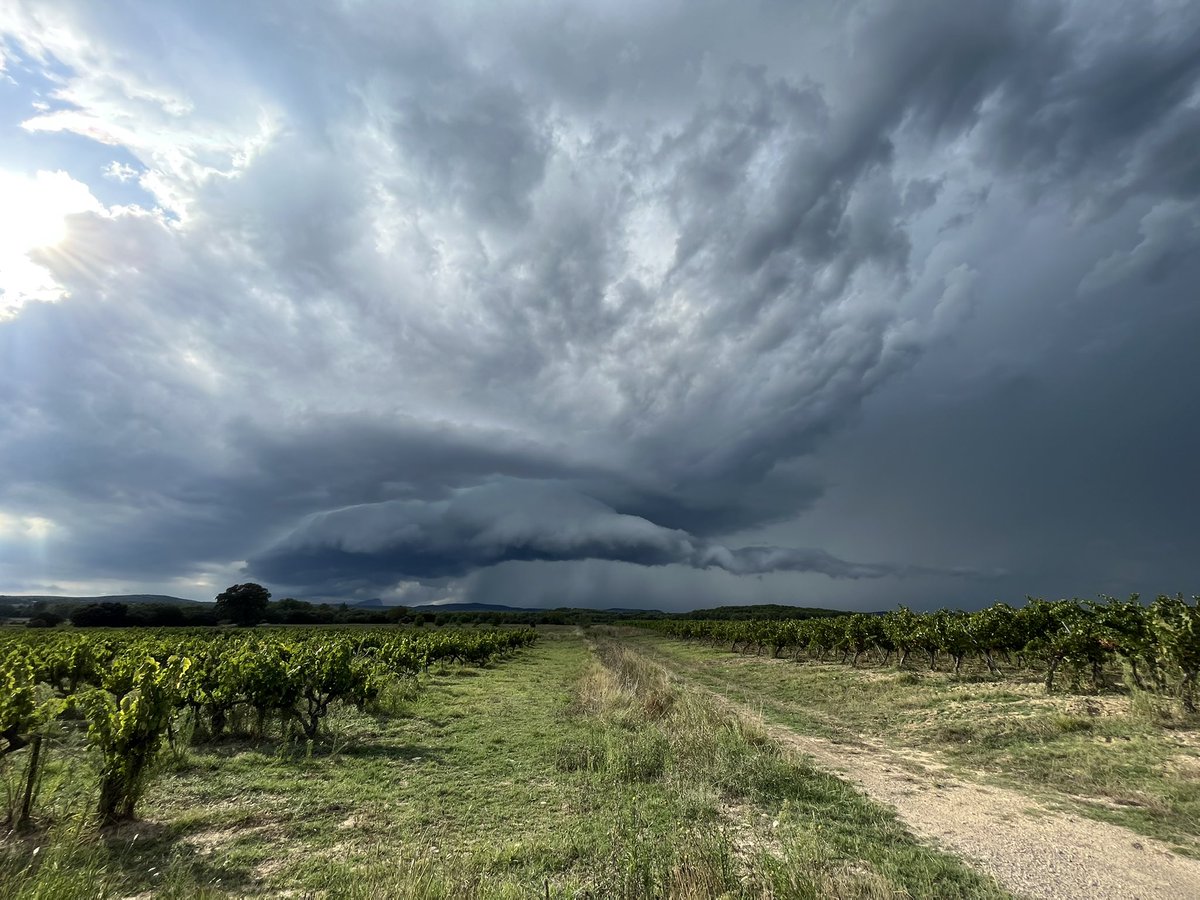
1080 480
590 295
1102 102
1169 235
1098 99
508 522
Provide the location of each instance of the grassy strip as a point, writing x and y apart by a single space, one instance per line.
1113 758
775 825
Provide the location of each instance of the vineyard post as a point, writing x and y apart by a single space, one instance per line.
35 757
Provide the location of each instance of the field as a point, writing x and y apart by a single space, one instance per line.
626 763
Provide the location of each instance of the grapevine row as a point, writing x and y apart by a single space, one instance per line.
128 689
1158 644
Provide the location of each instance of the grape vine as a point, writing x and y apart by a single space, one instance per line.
1159 642
129 688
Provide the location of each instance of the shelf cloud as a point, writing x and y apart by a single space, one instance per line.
511 521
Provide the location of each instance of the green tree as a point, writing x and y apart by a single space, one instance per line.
243 604
98 615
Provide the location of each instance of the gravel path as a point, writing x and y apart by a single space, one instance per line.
1032 850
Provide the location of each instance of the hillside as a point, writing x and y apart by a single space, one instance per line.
162 599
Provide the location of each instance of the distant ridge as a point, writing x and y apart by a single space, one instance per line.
499 607
107 598
756 611
471 607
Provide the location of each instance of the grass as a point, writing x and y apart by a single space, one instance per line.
792 830
1117 758
574 770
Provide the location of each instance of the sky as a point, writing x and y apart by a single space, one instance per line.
603 304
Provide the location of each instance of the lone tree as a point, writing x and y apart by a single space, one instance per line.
243 604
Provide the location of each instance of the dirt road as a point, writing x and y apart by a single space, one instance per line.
1032 850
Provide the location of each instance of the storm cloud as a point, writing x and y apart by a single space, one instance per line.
507 522
614 304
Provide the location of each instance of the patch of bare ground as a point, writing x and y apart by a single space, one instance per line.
750 832
1186 766
269 867
212 840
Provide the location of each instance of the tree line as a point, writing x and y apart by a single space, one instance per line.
251 604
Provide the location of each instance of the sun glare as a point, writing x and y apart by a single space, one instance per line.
33 215
29 528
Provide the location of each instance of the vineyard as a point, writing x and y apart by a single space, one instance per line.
895 755
126 692
1156 648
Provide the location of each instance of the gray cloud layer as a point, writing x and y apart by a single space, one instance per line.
507 522
590 296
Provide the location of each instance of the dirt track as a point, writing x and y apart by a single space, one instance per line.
1032 850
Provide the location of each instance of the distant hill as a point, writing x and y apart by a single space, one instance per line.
632 611
760 611
499 607
469 607
162 599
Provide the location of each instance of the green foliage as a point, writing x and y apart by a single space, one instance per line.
47 619
129 687
996 630
1175 625
97 615
18 708
128 727
1075 637
24 716
243 604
